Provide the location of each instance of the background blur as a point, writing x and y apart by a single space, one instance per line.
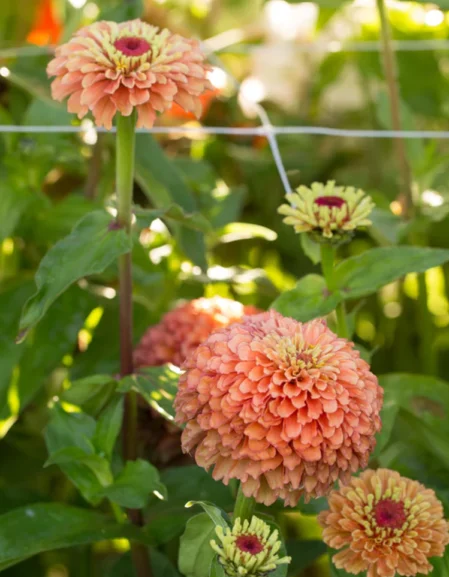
307 63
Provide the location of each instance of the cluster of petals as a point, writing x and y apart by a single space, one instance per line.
107 68
327 211
248 549
285 407
384 524
182 329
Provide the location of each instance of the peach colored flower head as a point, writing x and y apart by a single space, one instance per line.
384 524
285 407
181 330
108 68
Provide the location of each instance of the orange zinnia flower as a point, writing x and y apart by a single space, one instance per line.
184 328
108 68
385 524
287 408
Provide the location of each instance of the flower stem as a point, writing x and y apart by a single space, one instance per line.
327 266
391 74
125 152
244 506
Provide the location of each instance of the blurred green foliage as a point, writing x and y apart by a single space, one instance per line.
217 197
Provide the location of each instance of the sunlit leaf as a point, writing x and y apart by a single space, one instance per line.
157 385
307 300
366 273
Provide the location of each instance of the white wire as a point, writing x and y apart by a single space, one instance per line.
265 130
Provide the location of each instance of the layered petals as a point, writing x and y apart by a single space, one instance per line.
181 330
384 524
108 68
285 407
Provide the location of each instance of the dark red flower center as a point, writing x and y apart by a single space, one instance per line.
132 45
390 514
330 201
249 544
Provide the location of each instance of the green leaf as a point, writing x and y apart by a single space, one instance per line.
366 273
167 519
164 185
356 277
195 552
303 554
133 486
89 249
310 248
157 385
108 426
386 227
422 395
216 569
82 390
74 430
308 300
97 464
42 527
216 514
195 220
432 439
235 231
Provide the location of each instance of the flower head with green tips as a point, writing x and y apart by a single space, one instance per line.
330 213
249 549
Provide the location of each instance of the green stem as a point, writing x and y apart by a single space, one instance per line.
119 515
391 75
426 350
244 506
327 266
125 152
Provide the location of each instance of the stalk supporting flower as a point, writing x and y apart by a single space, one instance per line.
329 213
244 506
285 407
124 181
391 74
384 524
249 549
327 266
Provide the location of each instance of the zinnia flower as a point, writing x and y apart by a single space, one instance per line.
185 327
384 524
249 549
327 211
108 68
285 407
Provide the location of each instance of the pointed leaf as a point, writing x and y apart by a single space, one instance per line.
195 552
157 385
308 300
42 527
217 515
366 273
108 426
74 430
193 220
93 245
133 486
98 465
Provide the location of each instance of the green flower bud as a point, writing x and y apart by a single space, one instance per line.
249 549
329 213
